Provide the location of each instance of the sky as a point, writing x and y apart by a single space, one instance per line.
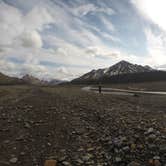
63 39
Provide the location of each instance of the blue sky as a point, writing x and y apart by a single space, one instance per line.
66 38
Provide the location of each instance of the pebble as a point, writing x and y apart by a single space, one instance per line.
118 159
157 163
162 148
62 158
156 157
50 163
133 146
13 160
153 162
66 163
22 153
151 136
27 125
152 146
90 149
7 141
87 157
133 163
126 148
79 161
150 130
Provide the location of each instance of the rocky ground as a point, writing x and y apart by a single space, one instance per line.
80 128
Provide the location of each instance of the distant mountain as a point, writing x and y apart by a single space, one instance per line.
29 79
35 81
122 67
56 82
6 80
122 71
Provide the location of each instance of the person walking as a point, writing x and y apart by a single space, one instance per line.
99 88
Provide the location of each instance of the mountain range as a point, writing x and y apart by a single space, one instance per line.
6 80
122 72
27 79
35 81
122 67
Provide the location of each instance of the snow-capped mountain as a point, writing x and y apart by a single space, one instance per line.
122 67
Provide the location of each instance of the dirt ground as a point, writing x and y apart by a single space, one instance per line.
80 128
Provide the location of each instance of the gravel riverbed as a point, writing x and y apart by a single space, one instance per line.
75 127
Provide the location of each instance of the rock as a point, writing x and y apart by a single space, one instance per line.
90 149
66 163
20 137
133 163
87 157
126 148
150 130
27 125
157 163
133 147
48 143
90 162
118 142
152 137
153 162
156 157
6 141
50 163
79 161
118 159
158 132
13 160
22 153
152 146
63 158
162 148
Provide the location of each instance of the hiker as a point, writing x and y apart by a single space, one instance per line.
99 88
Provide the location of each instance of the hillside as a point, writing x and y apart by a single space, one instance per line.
6 80
122 72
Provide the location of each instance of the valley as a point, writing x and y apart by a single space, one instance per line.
75 127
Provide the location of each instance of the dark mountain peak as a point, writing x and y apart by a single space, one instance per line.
120 68
123 62
31 79
27 76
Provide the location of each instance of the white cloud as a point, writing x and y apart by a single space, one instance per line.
11 24
31 39
107 24
22 38
153 10
37 18
156 46
83 10
102 52
14 24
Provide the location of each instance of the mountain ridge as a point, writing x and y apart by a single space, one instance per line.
7 80
120 68
27 79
